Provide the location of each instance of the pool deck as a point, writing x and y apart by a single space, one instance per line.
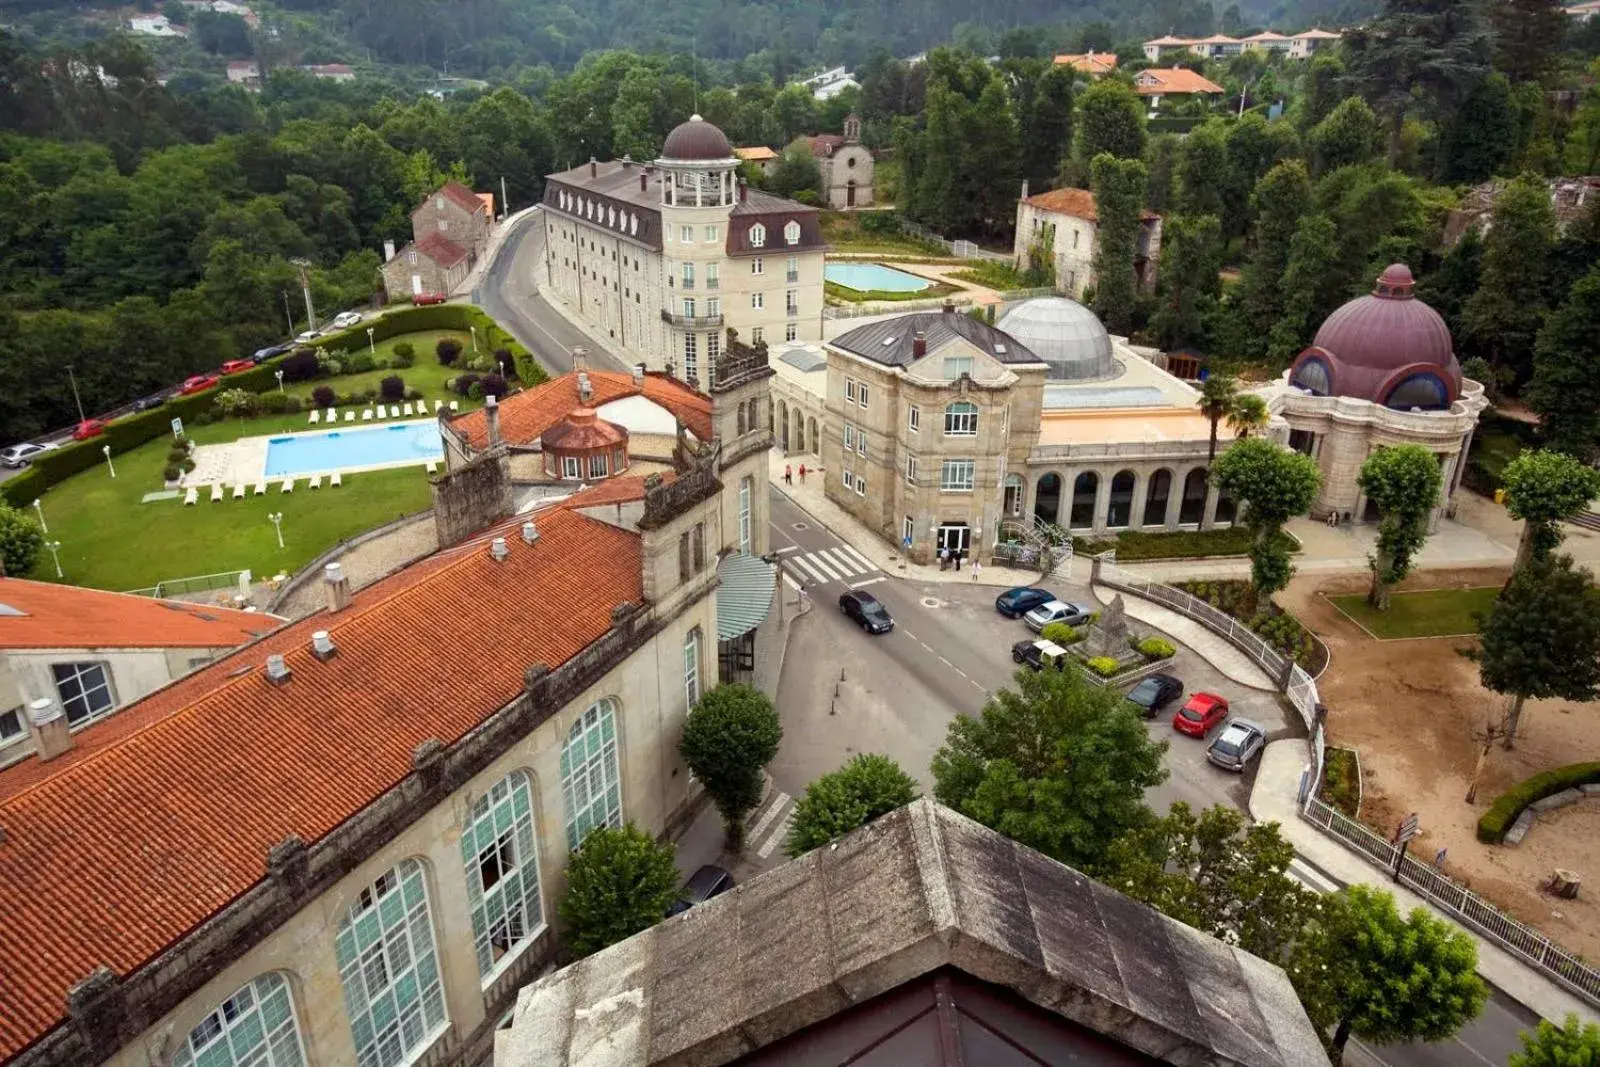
244 462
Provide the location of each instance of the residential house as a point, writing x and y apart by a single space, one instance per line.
830 83
434 265
761 157
845 165
1221 46
450 230
1162 47
1067 221
1095 65
1217 46
1267 41
71 656
1307 44
338 72
244 72
155 26
1158 85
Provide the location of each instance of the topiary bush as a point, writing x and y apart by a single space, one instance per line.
506 362
392 387
171 472
494 385
177 454
405 354
1104 666
322 396
362 363
448 350
1494 823
1153 648
464 384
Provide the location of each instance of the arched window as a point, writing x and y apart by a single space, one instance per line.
255 1026
389 968
758 236
591 779
1192 508
1047 498
502 870
1119 511
1424 390
1312 375
961 419
1084 490
791 233
1155 498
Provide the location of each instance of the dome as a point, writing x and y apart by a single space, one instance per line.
1064 334
696 141
1387 347
583 429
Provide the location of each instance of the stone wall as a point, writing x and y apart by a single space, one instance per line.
472 497
365 558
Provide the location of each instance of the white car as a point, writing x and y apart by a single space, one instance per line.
346 319
307 337
22 455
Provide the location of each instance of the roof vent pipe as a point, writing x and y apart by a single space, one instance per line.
585 388
638 374
322 646
278 671
52 734
644 178
594 167
949 306
491 418
498 550
530 532
337 587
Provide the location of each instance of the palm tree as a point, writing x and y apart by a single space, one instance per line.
1248 414
1217 395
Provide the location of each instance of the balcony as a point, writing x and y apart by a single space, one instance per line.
692 322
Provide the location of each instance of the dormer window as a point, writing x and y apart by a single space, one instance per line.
758 236
791 233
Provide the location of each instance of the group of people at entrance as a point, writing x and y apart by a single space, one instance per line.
954 556
788 474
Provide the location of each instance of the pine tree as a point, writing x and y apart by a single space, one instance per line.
1281 197
992 157
1203 170
1046 125
1503 317
1529 35
1110 120
1191 258
1309 289
1349 136
1119 199
1565 389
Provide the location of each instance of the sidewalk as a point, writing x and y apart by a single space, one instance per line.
1273 800
1205 644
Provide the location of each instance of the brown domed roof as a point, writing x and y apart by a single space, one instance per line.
1379 342
582 429
696 141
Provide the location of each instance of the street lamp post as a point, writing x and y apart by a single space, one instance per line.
276 518
287 313
278 374
55 554
371 345
109 465
474 330
40 509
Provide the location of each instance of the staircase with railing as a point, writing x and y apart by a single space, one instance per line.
1027 541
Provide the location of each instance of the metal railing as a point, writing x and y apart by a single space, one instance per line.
199 583
898 307
691 321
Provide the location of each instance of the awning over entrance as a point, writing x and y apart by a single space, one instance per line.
744 595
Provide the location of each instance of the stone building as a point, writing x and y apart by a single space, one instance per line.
1381 371
1066 222
845 164
661 258
449 231
342 843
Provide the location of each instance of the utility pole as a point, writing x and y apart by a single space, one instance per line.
75 398
505 205
304 266
287 313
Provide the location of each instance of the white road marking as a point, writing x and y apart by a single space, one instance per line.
911 635
866 563
782 834
1310 877
820 563
767 817
801 564
789 581
838 561
789 548
869 581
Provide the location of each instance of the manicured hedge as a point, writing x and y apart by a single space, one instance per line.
1494 823
460 317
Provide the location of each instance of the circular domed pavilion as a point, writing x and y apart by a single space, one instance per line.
1065 334
584 447
696 141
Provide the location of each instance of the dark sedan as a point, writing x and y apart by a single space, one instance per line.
1154 692
709 881
867 611
1015 603
263 354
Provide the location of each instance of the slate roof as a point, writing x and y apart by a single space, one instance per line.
889 341
525 416
47 615
775 213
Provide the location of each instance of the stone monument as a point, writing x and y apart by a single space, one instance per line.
1108 636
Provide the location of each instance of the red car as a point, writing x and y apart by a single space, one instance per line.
428 298
88 428
198 384
1200 714
235 366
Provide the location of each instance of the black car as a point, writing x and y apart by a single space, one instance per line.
264 354
1039 654
1154 692
709 881
1015 603
867 611
149 403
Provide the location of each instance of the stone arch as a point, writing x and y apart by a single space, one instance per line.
1157 492
1047 498
1119 511
816 441
1192 508
1085 487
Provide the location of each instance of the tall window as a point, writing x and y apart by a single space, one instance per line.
389 968
911 470
691 667
570 467
791 301
597 465
591 778
10 725
758 235
849 437
955 476
253 1028
849 390
714 306
791 233
502 870
711 235
713 349
688 307
711 275
961 419
792 269
757 335
688 275
691 362
757 301
913 418
861 395
687 236
791 332
85 691
744 515
756 266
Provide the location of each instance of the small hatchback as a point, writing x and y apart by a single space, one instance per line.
88 428
1239 742
1021 600
1200 714
199 383
867 611
22 455
346 319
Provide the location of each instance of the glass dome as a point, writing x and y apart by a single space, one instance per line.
1064 334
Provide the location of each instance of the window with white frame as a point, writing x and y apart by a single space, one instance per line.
570 467
914 418
502 864
849 479
849 390
955 476
961 419
688 275
758 236
757 334
861 486
849 437
688 307
861 443
712 272
597 465
686 235
691 667
11 728
791 233
444 225
791 301
791 332
911 470
711 235
713 348
714 306
255 1027
861 394
757 266
792 269
85 691
757 301
746 487
691 360
591 776
908 529
956 366
390 968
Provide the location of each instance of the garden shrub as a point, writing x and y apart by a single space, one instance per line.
392 388
504 360
1341 781
1062 634
1154 648
475 391
332 368
177 454
447 350
493 385
188 464
362 363
323 396
276 403
879 222
171 472
405 354
22 489
481 364
1494 823
301 365
463 384
1104 666
413 394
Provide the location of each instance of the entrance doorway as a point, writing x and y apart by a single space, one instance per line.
955 536
850 194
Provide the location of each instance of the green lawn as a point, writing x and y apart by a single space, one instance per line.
1425 613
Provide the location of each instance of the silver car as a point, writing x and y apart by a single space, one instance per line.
22 455
1239 742
1056 611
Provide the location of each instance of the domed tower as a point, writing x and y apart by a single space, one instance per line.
698 167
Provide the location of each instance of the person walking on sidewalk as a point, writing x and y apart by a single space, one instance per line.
944 557
977 568
802 474
957 555
788 474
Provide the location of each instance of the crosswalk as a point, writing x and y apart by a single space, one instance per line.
819 567
769 828
1311 877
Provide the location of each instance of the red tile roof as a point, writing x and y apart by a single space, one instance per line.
1079 203
68 616
623 490
165 812
1177 81
1090 62
440 249
461 195
526 415
824 144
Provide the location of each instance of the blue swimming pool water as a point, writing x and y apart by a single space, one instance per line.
867 276
337 450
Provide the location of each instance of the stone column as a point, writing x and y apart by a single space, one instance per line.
1210 517
1175 498
1141 495
1102 502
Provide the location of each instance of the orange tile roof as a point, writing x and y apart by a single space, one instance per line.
117 849
758 154
1177 81
1079 203
464 197
68 616
440 249
1090 62
526 415
623 490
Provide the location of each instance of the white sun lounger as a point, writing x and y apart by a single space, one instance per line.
216 492
316 417
454 406
191 497
382 414
437 406
261 487
316 482
288 486
406 411
366 416
349 416
238 490
334 481
333 414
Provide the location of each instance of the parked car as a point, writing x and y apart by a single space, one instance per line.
1021 600
1199 714
709 881
346 319
88 428
238 366
307 337
1239 742
23 454
149 403
198 383
1040 654
264 354
1154 692
867 611
428 298
1056 611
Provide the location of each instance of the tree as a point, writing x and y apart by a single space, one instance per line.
1529 35
1484 136
1565 390
868 786
1161 157
1281 197
795 171
448 350
1272 485
1254 147
1504 315
1046 125
1217 395
20 541
1248 415
619 882
1203 170
1386 978
1110 121
1309 289
1574 1044
1543 487
730 735
1119 200
1059 764
1191 261
1541 638
1404 483
1350 135
240 402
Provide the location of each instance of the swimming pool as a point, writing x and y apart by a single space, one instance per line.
863 277
398 445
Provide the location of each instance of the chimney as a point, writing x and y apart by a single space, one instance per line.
278 672
627 161
919 345
1024 194
594 167
388 251
322 646
491 415
50 729
498 550
744 191
949 306
530 532
638 374
585 389
580 358
338 588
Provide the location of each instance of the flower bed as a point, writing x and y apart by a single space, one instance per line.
1494 823
1341 781
1270 622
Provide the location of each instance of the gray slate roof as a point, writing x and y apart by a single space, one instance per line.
920 889
937 327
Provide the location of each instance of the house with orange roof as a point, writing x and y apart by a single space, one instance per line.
343 842
759 156
1158 84
1162 47
1095 64
71 656
1066 224
449 231
1307 44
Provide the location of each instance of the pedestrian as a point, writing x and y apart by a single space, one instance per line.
976 569
944 557
788 474
802 474
957 555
